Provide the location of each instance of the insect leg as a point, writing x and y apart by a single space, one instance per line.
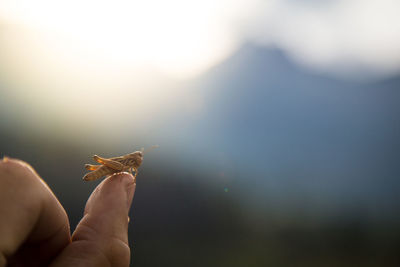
94 175
109 163
91 167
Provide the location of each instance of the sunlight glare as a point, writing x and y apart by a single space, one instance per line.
71 60
180 38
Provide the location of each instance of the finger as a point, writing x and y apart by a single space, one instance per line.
33 226
101 237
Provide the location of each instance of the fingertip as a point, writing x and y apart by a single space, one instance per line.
124 177
118 184
125 180
108 206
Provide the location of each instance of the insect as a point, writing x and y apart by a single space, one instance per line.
129 162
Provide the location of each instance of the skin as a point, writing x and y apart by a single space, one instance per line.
34 227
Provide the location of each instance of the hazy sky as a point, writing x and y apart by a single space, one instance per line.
183 38
338 36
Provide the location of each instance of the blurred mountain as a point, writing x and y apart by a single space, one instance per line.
291 134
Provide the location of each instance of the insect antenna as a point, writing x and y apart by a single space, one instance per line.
144 151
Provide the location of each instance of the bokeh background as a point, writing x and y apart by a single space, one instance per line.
277 122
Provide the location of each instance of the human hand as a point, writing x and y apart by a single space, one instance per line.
34 227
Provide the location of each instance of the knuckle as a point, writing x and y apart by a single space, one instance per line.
112 254
118 251
17 173
113 249
16 169
21 184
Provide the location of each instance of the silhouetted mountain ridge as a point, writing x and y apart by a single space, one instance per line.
298 131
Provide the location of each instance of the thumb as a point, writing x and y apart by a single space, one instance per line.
101 237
